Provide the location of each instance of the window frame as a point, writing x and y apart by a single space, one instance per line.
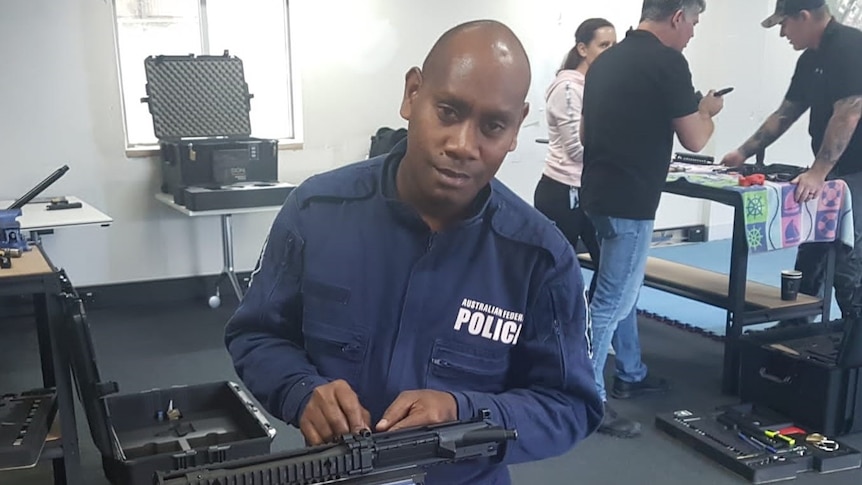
294 87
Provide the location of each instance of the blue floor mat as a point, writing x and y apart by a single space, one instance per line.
714 256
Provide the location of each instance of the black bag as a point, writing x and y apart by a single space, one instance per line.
385 140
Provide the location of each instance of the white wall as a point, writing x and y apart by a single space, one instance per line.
61 104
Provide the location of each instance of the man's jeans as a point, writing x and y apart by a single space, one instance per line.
624 246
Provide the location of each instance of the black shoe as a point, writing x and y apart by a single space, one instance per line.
619 427
650 385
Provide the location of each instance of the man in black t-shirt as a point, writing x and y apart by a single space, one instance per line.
637 95
828 81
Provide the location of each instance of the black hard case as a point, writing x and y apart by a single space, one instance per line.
705 433
219 422
810 388
236 196
200 107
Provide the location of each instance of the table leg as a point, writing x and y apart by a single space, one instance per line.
67 469
43 332
829 281
227 250
737 280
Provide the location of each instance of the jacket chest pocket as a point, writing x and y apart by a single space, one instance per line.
460 367
338 353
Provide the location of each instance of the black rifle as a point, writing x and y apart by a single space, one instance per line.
392 457
38 189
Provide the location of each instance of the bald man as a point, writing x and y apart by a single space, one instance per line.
414 288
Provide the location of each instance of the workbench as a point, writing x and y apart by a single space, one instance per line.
38 221
34 274
747 303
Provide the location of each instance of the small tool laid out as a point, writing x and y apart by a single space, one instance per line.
176 428
693 159
753 179
62 203
777 434
821 442
171 414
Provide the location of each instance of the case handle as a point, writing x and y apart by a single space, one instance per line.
770 377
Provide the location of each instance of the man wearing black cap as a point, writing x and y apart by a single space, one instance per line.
828 80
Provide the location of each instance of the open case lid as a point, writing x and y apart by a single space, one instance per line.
197 96
91 389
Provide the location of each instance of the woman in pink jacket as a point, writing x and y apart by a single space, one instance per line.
556 194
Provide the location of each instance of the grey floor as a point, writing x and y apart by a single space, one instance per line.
144 348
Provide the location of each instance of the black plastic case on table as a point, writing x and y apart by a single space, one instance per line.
218 421
236 196
200 107
25 420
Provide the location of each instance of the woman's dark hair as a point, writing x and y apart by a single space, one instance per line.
586 33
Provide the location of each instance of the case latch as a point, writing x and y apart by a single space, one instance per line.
217 454
184 460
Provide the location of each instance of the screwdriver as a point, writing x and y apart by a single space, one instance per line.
775 434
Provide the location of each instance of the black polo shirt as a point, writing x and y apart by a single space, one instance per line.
632 94
824 76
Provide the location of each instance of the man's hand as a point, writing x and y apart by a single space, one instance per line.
419 408
808 185
733 159
711 104
332 411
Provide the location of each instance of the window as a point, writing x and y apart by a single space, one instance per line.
849 12
256 31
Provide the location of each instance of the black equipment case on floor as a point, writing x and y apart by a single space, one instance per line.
801 373
742 439
25 420
200 107
161 429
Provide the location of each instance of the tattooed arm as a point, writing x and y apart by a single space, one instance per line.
774 126
839 131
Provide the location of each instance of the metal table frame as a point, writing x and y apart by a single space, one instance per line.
56 368
738 317
228 268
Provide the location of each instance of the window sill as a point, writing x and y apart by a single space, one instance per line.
147 151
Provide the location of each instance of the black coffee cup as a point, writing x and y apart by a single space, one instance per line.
790 282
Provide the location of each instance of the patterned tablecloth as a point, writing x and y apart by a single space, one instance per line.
773 218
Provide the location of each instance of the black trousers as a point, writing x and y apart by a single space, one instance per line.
811 260
553 199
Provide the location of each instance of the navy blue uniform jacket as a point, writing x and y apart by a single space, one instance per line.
353 285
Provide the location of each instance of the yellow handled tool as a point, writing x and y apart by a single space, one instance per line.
775 434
